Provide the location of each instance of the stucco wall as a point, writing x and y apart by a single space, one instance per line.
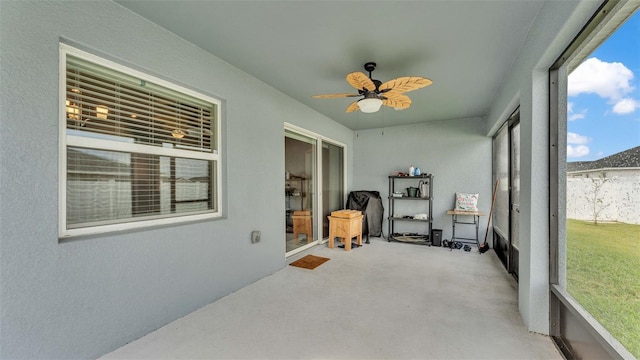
456 152
616 200
85 297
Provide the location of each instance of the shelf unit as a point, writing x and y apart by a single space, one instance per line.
295 197
410 181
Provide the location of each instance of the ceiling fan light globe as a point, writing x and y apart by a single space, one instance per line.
178 134
369 105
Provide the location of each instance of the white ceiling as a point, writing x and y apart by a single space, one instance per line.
304 48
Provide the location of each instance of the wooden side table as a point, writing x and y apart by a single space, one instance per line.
476 221
345 224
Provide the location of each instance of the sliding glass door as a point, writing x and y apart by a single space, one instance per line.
314 184
332 182
514 195
506 214
300 175
501 207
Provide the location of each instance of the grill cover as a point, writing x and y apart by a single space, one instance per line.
370 203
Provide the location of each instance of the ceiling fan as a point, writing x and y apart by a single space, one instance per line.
375 93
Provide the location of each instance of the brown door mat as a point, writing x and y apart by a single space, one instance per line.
310 262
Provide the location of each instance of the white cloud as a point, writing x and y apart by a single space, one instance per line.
573 138
626 106
576 145
581 115
577 151
571 116
608 80
577 116
611 81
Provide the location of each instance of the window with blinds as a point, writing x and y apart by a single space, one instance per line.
137 150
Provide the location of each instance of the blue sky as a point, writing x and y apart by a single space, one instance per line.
604 97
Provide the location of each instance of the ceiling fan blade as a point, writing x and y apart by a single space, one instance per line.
404 84
360 81
353 106
396 100
334 96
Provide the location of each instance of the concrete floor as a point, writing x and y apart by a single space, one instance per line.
381 301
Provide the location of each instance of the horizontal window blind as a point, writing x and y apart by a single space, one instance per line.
105 187
101 100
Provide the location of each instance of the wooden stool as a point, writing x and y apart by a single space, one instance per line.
302 225
345 224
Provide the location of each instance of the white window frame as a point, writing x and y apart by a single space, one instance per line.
79 141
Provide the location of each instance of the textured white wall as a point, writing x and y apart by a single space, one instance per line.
456 152
85 297
618 198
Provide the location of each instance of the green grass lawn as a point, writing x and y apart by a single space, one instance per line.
603 274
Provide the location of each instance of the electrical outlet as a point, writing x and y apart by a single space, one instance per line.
255 237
